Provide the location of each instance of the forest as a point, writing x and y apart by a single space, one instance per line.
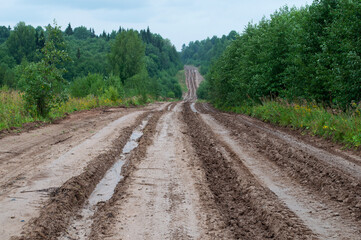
46 72
312 53
94 61
203 53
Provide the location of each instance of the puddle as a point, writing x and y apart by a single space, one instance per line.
193 108
80 228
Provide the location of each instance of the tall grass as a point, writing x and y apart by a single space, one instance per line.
182 81
14 114
343 127
12 110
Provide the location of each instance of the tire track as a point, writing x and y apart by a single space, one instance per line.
251 211
331 196
192 81
66 200
152 184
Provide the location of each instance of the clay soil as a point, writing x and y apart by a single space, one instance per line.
196 173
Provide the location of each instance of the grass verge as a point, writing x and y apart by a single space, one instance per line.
13 113
182 81
342 127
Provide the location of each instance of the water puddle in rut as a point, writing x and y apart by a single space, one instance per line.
80 228
193 107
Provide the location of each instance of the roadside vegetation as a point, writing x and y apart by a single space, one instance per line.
14 113
202 53
46 72
306 55
340 126
182 81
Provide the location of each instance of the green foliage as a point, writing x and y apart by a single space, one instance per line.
4 33
81 33
312 53
41 70
170 94
202 53
21 42
12 109
158 59
182 81
43 82
127 54
89 56
69 31
96 85
7 76
92 84
111 93
316 120
203 89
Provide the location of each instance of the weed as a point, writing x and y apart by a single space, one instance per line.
343 127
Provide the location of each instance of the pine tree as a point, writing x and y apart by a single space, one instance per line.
104 34
78 54
69 30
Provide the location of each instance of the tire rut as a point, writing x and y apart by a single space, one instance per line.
66 200
104 218
251 211
338 193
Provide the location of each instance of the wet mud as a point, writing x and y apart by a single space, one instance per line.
69 198
190 172
105 216
335 188
250 211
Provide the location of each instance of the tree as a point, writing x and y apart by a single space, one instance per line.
21 42
81 33
39 37
127 55
69 30
78 54
4 34
43 81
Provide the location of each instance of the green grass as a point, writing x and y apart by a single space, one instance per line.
14 114
182 80
328 123
12 110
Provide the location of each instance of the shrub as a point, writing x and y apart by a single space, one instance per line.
170 94
43 81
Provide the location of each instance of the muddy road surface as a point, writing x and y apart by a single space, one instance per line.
179 170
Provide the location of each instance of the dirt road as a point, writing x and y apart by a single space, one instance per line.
176 171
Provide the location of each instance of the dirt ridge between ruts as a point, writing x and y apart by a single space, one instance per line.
104 216
65 201
251 211
330 183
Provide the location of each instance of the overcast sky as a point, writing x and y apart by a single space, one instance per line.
181 21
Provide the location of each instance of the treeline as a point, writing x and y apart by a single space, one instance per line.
311 53
96 61
202 53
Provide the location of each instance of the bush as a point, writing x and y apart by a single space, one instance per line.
170 94
111 93
43 81
203 89
92 84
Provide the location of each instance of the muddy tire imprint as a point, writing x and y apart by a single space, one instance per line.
69 198
332 196
250 211
107 211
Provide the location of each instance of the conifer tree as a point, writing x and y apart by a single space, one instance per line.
69 30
